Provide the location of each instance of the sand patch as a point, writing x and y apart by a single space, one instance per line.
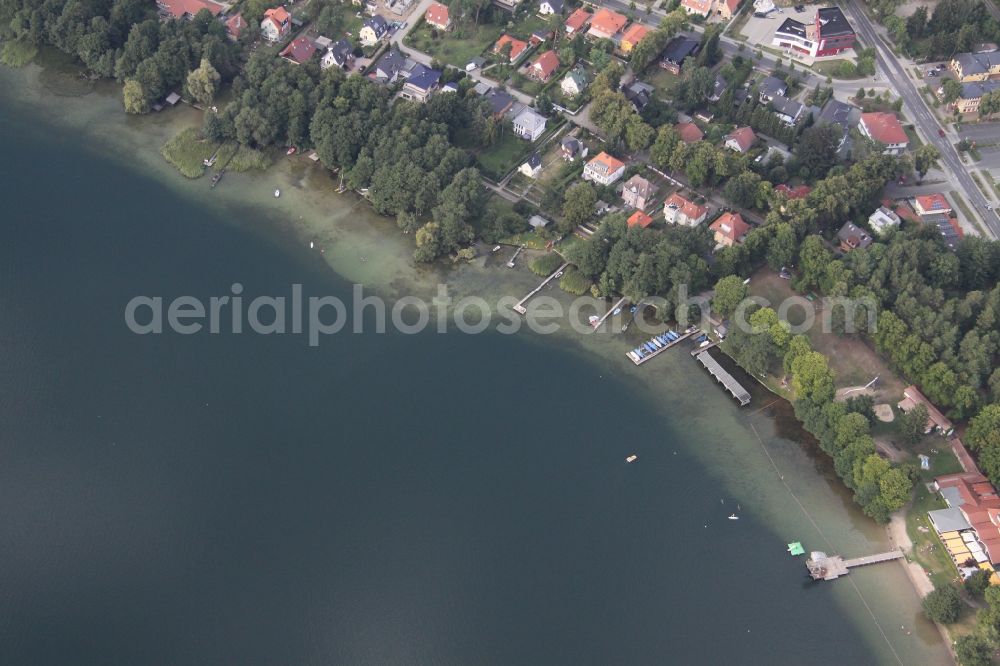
884 413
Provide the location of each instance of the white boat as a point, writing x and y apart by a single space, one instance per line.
705 343
593 319
496 249
632 458
311 245
277 193
558 275
734 517
617 312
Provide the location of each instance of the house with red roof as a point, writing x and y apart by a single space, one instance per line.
730 229
234 26
606 24
697 7
604 169
912 397
690 133
797 192
187 9
438 16
884 128
678 210
276 25
517 47
639 219
931 204
740 139
299 51
577 21
544 66
727 8
632 36
973 510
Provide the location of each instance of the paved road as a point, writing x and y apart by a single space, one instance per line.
890 66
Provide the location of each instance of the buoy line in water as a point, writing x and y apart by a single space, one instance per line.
829 545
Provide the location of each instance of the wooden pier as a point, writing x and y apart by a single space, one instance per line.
684 336
607 314
519 308
698 350
724 378
510 264
830 567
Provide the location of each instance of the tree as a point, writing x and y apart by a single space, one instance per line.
943 605
924 158
203 82
977 583
781 248
913 424
729 293
973 650
951 90
990 103
578 206
134 97
817 149
812 378
860 94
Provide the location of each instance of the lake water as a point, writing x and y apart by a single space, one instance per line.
380 499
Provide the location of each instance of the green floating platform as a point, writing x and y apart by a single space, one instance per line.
796 548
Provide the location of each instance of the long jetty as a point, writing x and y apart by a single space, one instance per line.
607 314
684 336
724 378
830 567
519 308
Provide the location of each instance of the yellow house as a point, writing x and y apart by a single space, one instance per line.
632 36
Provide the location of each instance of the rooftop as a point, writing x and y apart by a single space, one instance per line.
638 218
832 22
884 128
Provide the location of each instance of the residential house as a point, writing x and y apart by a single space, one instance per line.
740 139
537 222
678 210
790 193
697 7
500 102
830 33
517 47
637 192
603 169
606 24
788 110
299 51
730 229
438 16
577 21
373 30
718 88
509 5
546 7
852 237
540 37
421 83
972 94
574 83
544 66
912 397
931 204
727 8
882 220
187 9
679 49
639 94
234 26
532 166
389 66
837 114
770 88
884 128
529 124
340 54
276 25
689 132
451 87
639 219
571 148
631 37
969 67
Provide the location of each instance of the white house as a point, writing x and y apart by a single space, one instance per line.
574 82
546 7
882 220
529 125
532 166
604 169
373 30
276 25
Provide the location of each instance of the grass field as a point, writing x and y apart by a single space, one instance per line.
246 159
503 156
661 79
457 47
187 152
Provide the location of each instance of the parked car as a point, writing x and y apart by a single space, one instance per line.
940 132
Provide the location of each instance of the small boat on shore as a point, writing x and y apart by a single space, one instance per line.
277 193
632 458
496 249
734 517
593 319
291 151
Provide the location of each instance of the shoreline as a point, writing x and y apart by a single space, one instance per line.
342 259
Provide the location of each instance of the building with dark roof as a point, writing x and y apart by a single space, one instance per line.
421 82
790 111
830 33
975 66
678 50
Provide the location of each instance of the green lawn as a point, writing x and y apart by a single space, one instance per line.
503 156
911 134
456 47
830 68
529 239
661 79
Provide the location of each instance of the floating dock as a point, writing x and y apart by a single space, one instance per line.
724 378
519 308
830 567
651 354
